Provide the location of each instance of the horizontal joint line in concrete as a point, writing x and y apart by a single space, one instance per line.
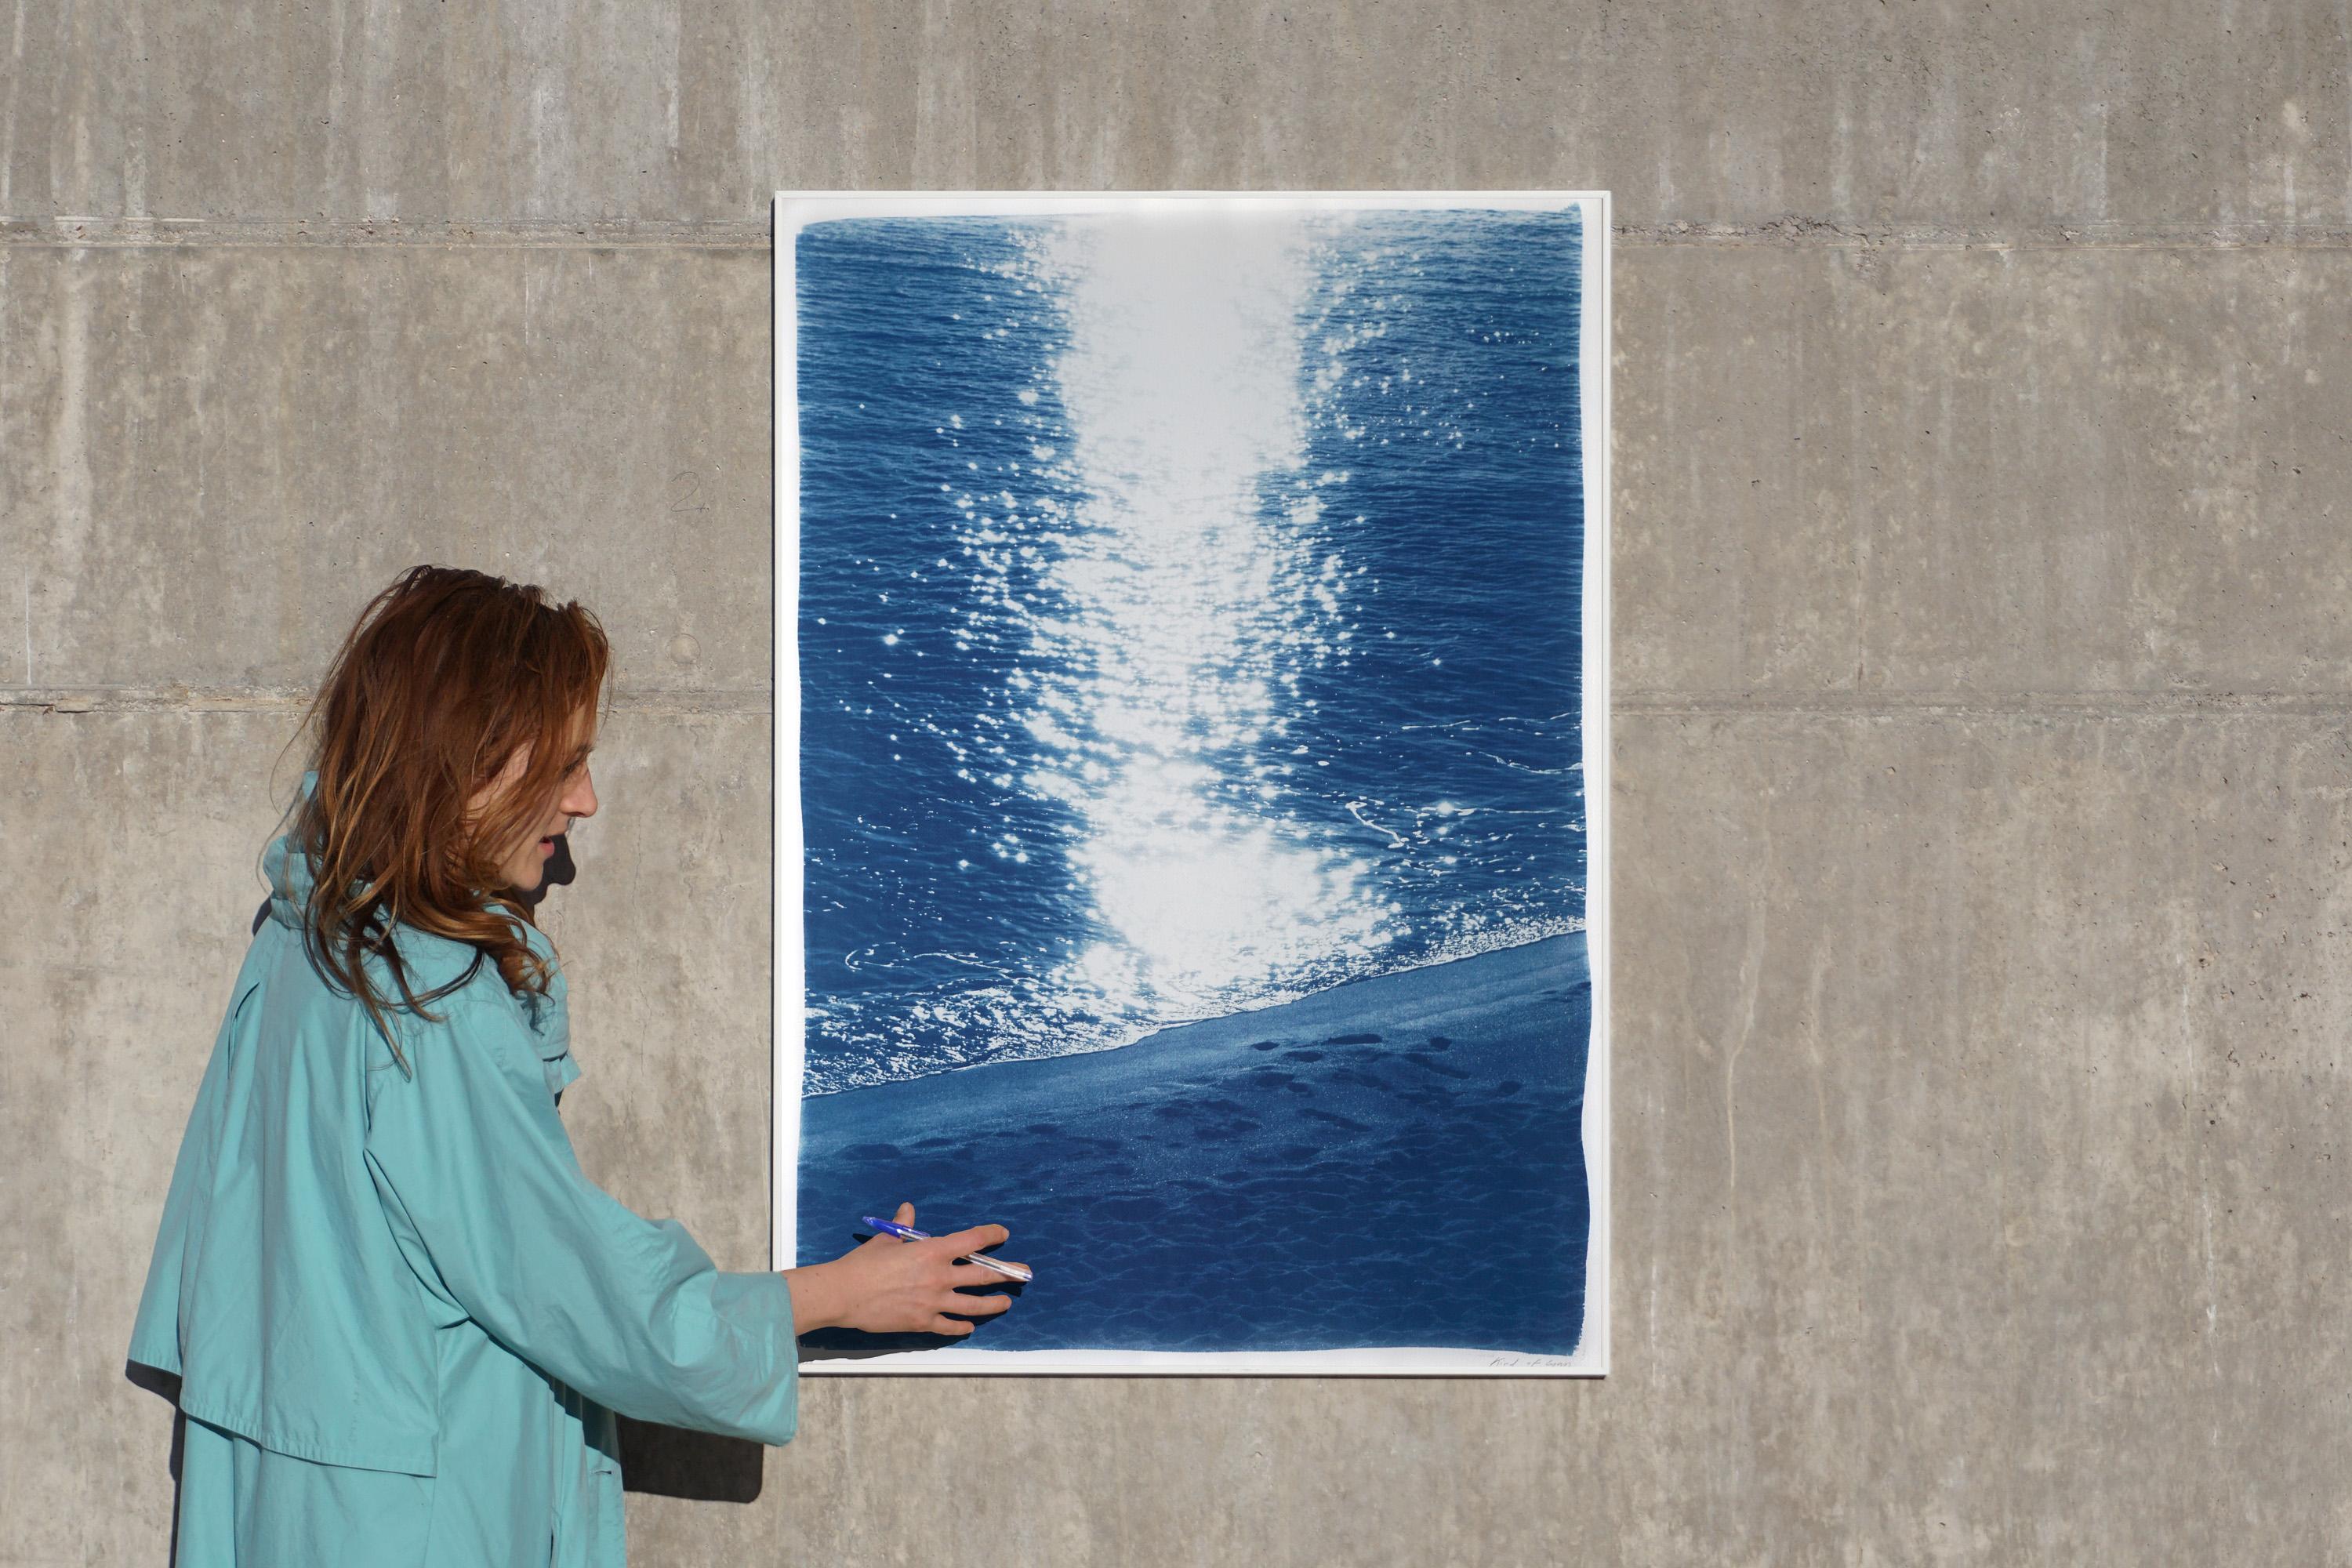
101 233
1989 704
193 700
140 234
2055 235
760 702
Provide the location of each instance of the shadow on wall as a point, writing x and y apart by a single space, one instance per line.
662 1460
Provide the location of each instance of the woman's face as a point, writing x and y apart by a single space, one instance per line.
575 796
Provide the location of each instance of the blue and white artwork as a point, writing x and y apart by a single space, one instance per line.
1190 734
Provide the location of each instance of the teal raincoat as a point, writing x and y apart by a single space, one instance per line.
403 1316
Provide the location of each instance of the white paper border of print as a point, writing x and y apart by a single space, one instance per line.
794 210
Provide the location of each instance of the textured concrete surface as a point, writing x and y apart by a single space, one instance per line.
285 426
1983 791
1699 111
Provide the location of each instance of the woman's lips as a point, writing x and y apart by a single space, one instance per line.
546 846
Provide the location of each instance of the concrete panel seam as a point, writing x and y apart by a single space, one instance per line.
1828 234
755 703
99 232
758 702
2118 704
149 233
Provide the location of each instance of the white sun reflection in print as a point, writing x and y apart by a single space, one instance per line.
1188 595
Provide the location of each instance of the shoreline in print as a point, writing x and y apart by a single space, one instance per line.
1328 1173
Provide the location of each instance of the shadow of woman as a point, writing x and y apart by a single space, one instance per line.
155 1380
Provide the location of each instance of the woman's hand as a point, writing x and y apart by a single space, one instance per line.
885 1286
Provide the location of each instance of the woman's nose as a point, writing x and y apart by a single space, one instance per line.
580 800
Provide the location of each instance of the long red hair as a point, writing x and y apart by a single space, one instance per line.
444 676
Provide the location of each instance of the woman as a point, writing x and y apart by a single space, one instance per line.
402 1315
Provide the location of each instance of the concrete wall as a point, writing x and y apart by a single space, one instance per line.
1983 798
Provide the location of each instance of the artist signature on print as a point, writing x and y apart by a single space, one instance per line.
1529 1361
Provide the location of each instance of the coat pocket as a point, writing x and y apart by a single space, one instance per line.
593 1534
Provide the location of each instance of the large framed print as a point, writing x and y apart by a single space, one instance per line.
1192 769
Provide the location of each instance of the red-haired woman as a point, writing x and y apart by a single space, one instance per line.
402 1317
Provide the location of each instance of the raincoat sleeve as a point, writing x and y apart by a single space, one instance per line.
156 1330
479 1176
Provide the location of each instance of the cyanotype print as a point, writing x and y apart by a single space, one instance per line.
1192 633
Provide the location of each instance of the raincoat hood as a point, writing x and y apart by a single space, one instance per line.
289 870
434 961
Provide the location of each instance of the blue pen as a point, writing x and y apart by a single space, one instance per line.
908 1232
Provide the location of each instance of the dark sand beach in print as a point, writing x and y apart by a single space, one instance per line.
1393 1162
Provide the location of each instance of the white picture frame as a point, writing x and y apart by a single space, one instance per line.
794 210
